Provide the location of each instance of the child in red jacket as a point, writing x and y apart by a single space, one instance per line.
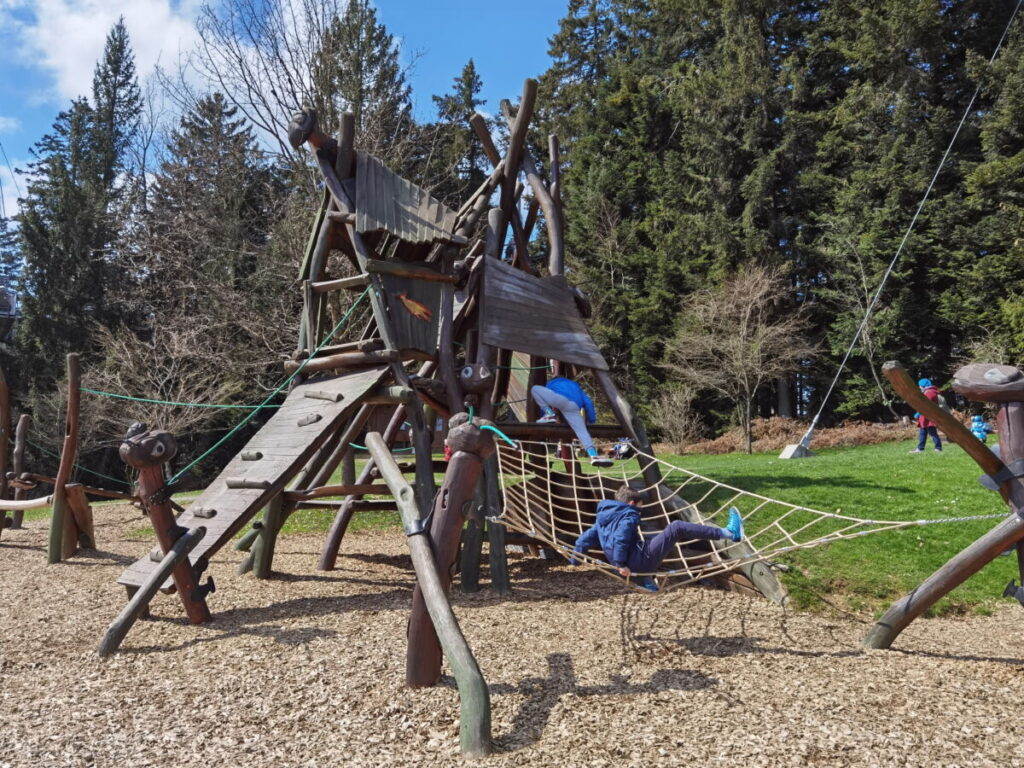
926 426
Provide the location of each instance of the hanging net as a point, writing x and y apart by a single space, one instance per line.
549 497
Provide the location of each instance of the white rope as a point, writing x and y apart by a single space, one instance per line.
556 506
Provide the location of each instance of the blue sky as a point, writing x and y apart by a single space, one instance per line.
50 49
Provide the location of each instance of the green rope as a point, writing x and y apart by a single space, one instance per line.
273 394
471 414
116 396
79 466
524 367
500 434
393 450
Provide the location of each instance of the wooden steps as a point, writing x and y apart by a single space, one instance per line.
284 446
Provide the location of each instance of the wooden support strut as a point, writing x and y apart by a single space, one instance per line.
474 697
5 436
63 531
1005 535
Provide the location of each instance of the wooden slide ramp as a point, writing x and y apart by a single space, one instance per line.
284 448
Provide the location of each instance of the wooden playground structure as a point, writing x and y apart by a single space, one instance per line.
442 298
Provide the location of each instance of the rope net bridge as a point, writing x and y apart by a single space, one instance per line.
551 499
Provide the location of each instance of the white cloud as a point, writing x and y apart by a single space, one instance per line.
9 124
66 37
8 188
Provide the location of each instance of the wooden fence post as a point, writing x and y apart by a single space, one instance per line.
63 531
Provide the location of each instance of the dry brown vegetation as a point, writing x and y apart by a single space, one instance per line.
775 434
307 670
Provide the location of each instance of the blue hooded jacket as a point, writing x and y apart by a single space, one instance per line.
615 531
570 389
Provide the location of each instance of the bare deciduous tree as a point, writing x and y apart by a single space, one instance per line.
734 338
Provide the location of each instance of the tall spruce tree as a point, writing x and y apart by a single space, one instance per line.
457 152
358 70
71 217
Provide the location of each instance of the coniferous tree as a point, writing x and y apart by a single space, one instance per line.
71 218
358 70
458 155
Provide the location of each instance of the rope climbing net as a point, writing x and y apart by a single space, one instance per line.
549 497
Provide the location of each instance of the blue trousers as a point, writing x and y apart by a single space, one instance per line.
649 556
922 437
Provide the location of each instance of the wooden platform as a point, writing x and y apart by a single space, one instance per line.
285 447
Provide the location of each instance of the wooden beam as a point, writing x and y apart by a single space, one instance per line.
341 284
18 463
411 271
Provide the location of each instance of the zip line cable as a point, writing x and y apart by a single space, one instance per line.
805 441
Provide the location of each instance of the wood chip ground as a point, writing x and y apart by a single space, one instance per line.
307 670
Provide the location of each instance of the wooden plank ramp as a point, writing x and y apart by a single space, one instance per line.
285 447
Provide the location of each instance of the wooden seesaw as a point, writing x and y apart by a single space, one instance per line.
1003 386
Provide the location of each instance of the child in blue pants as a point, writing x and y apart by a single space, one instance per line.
617 531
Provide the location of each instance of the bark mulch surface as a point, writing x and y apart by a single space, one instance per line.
307 669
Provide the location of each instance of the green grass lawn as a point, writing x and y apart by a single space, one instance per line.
876 482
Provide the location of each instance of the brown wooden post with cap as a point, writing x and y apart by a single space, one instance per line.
18 463
63 531
148 452
988 383
470 446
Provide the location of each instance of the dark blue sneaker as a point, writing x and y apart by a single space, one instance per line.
735 526
646 582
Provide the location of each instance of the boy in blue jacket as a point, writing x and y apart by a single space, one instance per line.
617 531
568 398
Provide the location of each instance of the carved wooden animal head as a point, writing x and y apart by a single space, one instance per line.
148 449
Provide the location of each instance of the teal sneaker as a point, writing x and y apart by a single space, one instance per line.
735 526
646 582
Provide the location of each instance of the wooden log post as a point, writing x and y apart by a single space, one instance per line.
148 452
431 587
63 531
987 383
138 604
263 551
470 446
497 554
5 436
78 504
18 463
472 543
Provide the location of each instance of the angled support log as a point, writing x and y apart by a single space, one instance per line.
432 587
138 605
63 531
987 383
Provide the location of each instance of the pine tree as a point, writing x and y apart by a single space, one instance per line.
71 218
358 70
458 155
58 224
